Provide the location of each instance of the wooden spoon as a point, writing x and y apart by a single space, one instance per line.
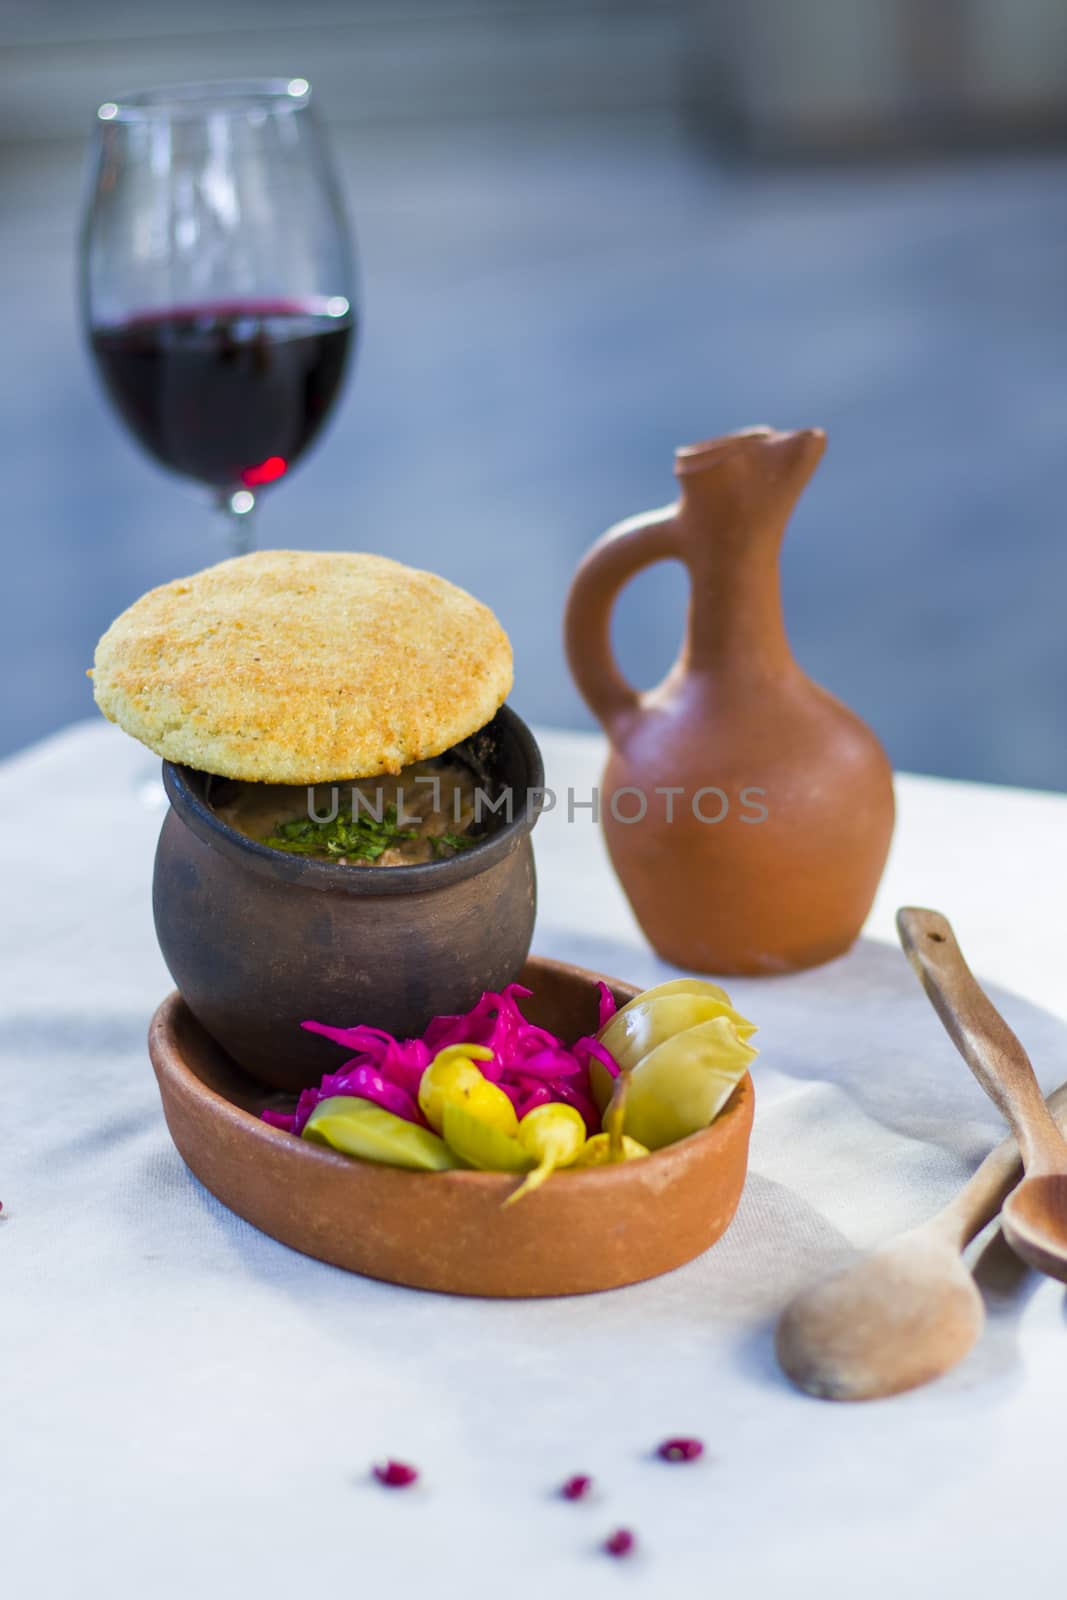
1035 1214
907 1312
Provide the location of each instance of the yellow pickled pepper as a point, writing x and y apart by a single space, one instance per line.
597 1151
482 1145
453 1078
553 1135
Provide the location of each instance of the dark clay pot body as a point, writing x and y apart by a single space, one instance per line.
802 788
258 941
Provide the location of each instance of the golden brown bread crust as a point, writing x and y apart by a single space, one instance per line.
291 666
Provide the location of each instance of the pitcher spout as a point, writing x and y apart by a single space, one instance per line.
792 451
737 495
745 484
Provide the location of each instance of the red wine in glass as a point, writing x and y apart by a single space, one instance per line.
217 281
230 393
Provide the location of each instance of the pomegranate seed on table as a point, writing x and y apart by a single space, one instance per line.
620 1543
680 1450
576 1488
395 1474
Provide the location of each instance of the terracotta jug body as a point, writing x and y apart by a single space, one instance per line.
747 812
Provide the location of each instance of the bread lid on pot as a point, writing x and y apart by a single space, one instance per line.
291 666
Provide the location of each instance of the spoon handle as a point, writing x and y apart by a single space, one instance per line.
982 1196
980 1033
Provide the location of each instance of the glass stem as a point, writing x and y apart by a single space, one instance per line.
238 508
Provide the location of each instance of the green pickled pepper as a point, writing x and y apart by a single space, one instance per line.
683 1084
358 1127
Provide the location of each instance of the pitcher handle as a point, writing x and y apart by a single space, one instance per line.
625 550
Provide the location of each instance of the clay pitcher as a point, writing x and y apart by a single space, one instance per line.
747 812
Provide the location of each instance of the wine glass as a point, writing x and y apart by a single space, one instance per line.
217 280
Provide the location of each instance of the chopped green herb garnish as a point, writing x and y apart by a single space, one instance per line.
451 841
360 839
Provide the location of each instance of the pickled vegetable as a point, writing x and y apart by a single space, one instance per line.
482 1145
361 1128
528 1063
597 1152
678 986
651 1018
553 1135
682 1085
453 1076
645 1024
659 1069
615 1115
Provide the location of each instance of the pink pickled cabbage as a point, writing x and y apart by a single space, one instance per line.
531 1065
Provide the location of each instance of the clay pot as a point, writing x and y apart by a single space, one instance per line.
581 1231
767 857
257 941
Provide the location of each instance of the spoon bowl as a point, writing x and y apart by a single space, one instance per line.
891 1321
1035 1223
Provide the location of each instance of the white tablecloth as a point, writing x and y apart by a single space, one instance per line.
189 1408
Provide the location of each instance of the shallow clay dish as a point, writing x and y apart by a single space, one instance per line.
582 1231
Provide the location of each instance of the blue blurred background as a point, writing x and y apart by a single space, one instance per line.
591 231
